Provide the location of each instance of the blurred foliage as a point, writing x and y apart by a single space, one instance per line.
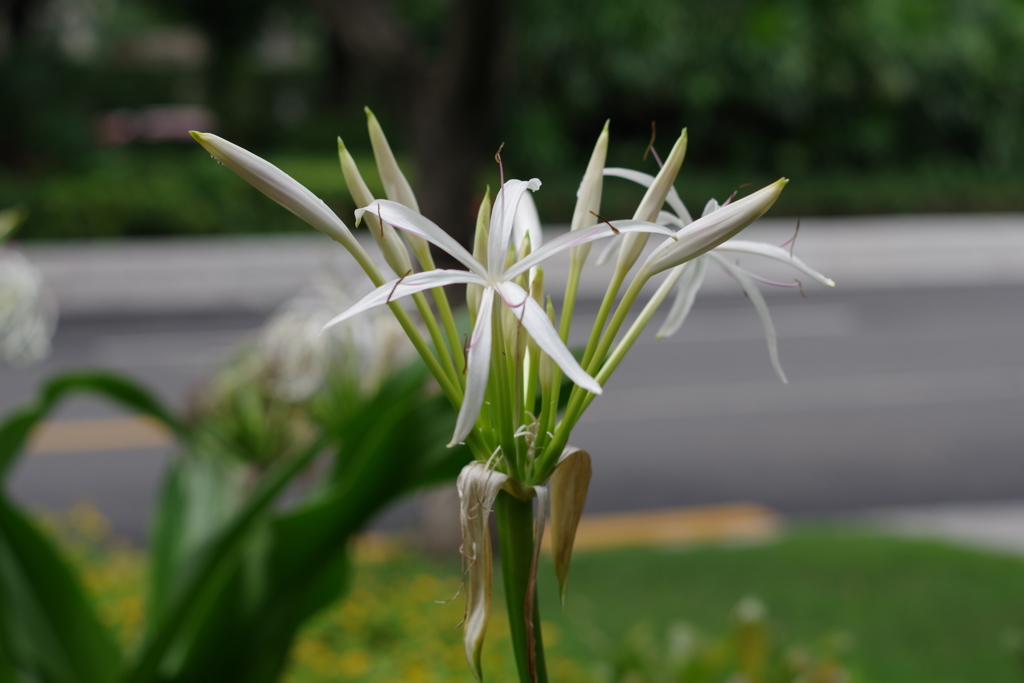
747 654
869 105
287 456
397 623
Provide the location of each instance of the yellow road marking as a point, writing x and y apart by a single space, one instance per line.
109 434
679 526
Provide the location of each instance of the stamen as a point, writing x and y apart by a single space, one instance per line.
501 176
800 285
733 195
650 145
792 240
381 221
605 220
465 352
398 282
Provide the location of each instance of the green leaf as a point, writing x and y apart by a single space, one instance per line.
16 430
49 629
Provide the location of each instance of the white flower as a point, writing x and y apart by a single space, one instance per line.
300 359
28 315
495 280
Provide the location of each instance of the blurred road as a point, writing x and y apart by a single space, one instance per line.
906 385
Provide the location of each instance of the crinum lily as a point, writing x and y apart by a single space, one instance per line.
506 382
497 280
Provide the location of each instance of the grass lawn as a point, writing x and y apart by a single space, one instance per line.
914 611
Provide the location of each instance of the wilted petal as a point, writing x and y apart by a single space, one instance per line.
404 286
583 236
536 322
760 305
689 284
478 365
645 179
773 252
527 222
502 217
278 185
569 484
707 232
404 218
478 487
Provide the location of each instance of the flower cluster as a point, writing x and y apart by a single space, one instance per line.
506 379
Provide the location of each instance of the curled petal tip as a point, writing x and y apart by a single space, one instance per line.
534 184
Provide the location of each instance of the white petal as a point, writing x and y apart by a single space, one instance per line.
710 207
709 231
478 486
773 252
646 180
582 236
669 218
536 322
609 250
396 289
760 305
689 284
404 218
502 216
278 185
527 222
478 367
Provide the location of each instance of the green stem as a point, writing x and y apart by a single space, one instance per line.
634 332
451 392
435 336
515 543
602 314
578 399
445 310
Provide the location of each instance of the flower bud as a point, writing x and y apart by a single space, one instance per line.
483 217
710 230
588 197
396 186
651 204
279 186
387 239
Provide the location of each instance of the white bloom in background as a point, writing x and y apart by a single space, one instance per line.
300 358
496 280
28 313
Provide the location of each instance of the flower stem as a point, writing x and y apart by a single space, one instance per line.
435 336
515 542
